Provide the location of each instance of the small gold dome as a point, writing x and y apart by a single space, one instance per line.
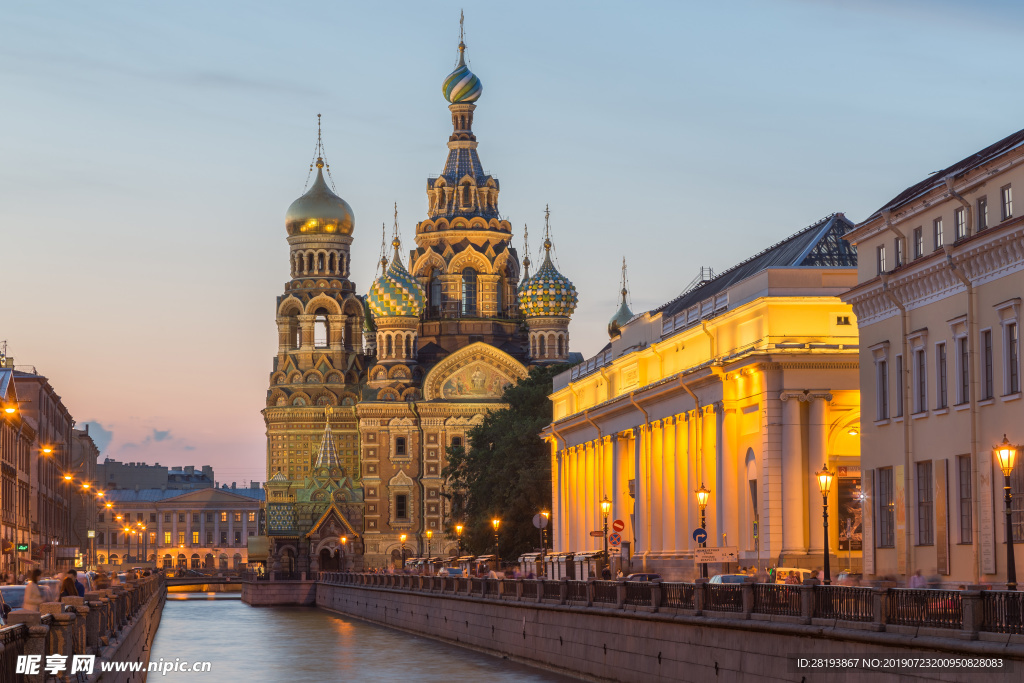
319 211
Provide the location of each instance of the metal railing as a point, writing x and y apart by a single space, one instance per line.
777 598
725 597
679 595
992 611
12 644
925 607
1002 612
638 593
843 602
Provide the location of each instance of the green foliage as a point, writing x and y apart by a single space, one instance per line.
505 472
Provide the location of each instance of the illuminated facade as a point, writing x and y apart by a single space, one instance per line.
938 302
745 384
16 442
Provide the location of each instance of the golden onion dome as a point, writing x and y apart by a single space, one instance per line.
319 211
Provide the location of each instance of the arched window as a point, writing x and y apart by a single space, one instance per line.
560 352
408 346
320 338
468 292
387 346
540 347
499 296
319 263
533 347
435 291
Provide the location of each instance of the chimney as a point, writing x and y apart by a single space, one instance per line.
232 484
190 469
255 485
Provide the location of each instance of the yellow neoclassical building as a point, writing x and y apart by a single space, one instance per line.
746 384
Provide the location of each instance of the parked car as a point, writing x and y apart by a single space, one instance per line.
13 596
847 578
783 573
729 578
50 589
644 577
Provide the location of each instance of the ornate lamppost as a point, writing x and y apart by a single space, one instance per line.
430 535
1006 453
402 537
703 494
458 533
606 507
145 542
497 556
544 534
342 561
824 484
127 542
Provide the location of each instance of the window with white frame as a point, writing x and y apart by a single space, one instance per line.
982 210
1011 358
880 260
918 242
925 508
898 249
987 385
942 380
882 391
1006 202
920 381
937 233
960 221
886 509
964 485
963 371
899 386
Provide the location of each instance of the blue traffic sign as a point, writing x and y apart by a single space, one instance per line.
615 539
699 535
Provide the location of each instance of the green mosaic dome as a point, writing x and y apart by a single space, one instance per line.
396 293
548 293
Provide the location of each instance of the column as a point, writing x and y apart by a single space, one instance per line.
555 523
682 484
620 482
640 487
696 477
578 499
231 529
202 529
589 457
730 479
657 489
793 504
668 478
306 329
711 474
817 455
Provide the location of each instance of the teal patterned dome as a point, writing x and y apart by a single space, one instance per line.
396 292
621 317
462 86
548 293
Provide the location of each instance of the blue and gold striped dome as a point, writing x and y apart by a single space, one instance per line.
462 86
396 292
548 293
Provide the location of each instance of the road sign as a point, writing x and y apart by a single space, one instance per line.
699 535
618 525
540 521
615 539
598 533
703 555
22 547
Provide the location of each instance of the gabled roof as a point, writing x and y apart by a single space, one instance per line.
938 178
817 246
8 393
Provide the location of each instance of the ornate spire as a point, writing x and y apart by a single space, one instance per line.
396 293
548 293
328 456
319 210
462 86
623 315
526 255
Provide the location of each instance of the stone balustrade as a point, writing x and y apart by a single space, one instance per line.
965 615
75 626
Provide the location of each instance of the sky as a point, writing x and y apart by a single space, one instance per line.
148 154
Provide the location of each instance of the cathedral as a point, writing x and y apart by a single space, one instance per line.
368 391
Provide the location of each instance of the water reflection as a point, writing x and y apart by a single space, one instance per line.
306 644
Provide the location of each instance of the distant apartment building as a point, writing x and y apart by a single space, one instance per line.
938 303
88 497
112 474
207 528
49 460
17 437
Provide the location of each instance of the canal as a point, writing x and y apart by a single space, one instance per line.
302 644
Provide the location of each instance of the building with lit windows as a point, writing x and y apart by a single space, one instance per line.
202 529
745 385
17 437
938 302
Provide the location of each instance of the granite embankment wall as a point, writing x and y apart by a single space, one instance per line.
269 593
621 644
114 625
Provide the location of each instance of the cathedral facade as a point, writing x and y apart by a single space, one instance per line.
368 392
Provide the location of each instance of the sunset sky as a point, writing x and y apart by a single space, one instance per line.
149 153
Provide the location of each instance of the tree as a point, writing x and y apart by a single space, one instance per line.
505 470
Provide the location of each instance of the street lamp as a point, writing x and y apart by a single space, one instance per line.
458 532
402 537
606 507
344 542
145 543
430 535
544 534
703 494
497 556
1007 453
127 542
824 484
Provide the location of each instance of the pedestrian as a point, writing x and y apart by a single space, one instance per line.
606 574
917 581
814 578
79 586
68 588
33 596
